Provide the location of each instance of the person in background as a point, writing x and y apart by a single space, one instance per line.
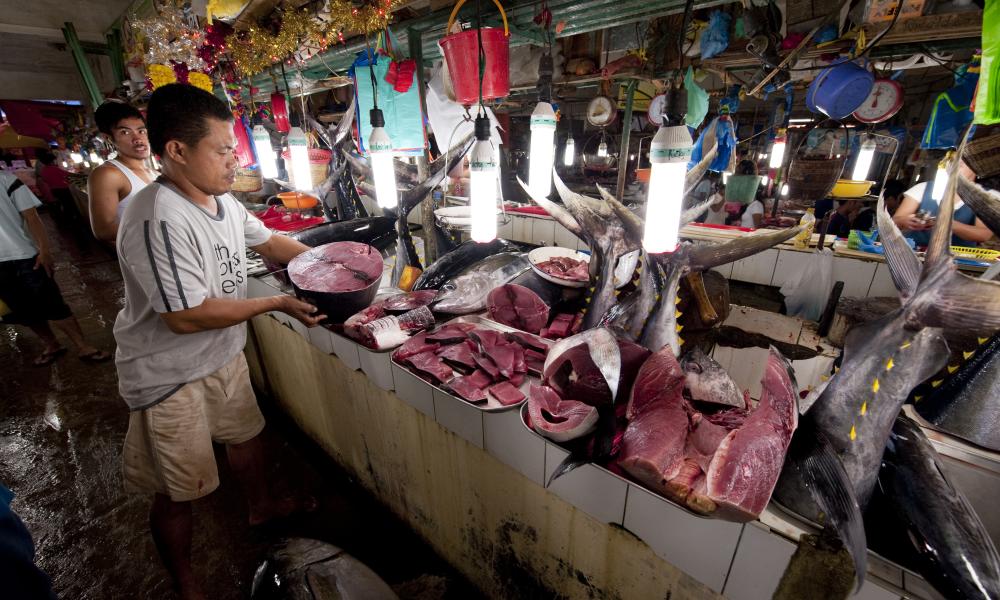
716 213
918 211
54 187
181 370
892 194
26 284
840 221
753 214
22 580
116 182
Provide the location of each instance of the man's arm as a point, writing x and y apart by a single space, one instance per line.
977 232
37 231
906 217
219 313
280 249
104 189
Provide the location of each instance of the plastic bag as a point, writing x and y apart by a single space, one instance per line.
807 291
988 99
808 220
697 106
950 113
715 40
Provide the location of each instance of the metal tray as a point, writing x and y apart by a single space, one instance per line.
626 480
489 405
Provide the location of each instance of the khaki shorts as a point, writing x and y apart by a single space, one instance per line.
168 448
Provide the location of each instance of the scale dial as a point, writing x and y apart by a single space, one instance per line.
656 108
601 111
885 100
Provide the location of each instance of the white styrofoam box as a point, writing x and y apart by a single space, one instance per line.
346 350
507 439
882 285
873 591
856 274
725 270
543 232
506 231
702 548
413 390
593 490
459 417
522 228
761 559
744 365
919 587
377 367
790 264
565 238
321 337
758 268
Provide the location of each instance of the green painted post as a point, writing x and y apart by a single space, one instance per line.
117 54
73 43
626 135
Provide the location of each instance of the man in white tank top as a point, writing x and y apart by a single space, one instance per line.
113 185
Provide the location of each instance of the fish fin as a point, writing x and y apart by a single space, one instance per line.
962 302
904 266
831 489
695 211
605 353
343 130
633 224
414 196
939 248
706 256
560 214
574 460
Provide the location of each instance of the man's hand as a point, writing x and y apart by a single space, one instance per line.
303 311
44 261
915 223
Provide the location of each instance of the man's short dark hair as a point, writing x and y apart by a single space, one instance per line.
894 188
180 112
46 157
112 113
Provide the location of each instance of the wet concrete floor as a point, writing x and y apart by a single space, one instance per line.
61 431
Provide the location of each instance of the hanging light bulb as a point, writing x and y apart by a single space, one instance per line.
602 149
941 179
784 190
380 148
95 159
543 150
569 154
298 149
65 165
725 177
764 179
778 150
86 165
265 152
76 157
864 163
483 185
669 153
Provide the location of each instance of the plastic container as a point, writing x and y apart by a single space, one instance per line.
298 200
849 188
742 188
461 53
805 236
840 89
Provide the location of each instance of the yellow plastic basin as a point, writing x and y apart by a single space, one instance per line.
849 188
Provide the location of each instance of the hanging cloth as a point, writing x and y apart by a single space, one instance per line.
719 131
697 105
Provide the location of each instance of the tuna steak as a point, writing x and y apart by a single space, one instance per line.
557 419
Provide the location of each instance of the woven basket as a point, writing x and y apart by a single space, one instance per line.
812 178
319 164
983 154
248 180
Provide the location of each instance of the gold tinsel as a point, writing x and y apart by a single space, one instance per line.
171 35
301 35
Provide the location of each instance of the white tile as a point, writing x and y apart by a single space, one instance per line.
725 270
761 559
506 438
856 274
346 350
564 238
377 367
593 490
790 264
917 586
506 231
882 285
702 548
746 367
873 591
758 268
459 417
522 229
543 232
413 390
416 215
321 337
809 373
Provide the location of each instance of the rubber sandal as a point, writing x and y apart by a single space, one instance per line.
96 356
48 357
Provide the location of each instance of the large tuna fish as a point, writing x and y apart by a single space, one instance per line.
306 569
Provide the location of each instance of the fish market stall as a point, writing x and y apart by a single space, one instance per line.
527 225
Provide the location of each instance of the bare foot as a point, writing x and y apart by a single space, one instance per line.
282 508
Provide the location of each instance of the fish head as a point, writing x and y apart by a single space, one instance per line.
706 380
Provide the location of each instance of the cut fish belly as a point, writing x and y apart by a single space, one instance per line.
557 419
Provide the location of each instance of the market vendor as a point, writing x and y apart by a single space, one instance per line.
115 183
918 211
181 370
840 222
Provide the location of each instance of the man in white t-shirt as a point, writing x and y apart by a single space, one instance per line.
753 215
181 370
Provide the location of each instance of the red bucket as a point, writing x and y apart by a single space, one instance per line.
461 53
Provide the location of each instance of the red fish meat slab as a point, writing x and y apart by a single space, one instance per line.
417 344
564 267
461 353
466 388
518 307
505 393
451 333
429 363
336 267
557 419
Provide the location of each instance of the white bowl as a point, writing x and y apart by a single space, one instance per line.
540 255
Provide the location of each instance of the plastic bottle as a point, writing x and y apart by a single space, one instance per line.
805 236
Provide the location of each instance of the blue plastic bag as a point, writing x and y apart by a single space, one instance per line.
715 38
721 131
951 113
